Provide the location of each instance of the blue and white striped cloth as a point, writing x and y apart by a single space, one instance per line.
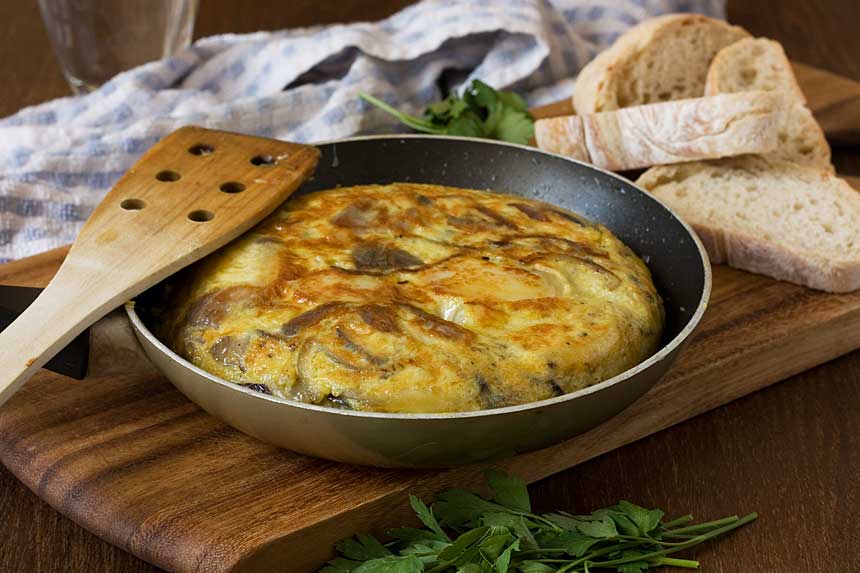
58 159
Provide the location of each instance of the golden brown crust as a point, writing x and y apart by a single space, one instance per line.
417 298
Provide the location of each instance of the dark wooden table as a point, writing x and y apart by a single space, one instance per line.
791 452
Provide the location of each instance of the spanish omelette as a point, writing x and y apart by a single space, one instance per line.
416 298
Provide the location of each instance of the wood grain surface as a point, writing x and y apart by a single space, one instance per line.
790 451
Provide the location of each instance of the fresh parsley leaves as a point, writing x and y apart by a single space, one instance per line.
481 112
466 533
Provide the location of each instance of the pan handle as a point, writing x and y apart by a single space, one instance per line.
72 360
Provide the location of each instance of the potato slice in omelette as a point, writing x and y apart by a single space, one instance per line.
416 298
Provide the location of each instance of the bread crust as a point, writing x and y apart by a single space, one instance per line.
667 132
596 86
563 135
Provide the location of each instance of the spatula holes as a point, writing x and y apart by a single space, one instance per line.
263 160
201 149
232 187
201 216
168 176
132 204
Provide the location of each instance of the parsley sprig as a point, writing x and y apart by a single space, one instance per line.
466 533
481 112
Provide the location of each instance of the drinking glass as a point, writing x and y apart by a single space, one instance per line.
96 39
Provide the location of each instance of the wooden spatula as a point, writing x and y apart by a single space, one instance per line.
191 193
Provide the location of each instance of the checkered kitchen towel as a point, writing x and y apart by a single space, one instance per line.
58 159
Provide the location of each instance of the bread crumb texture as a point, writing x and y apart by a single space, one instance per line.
789 221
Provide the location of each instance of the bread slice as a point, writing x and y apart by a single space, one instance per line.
761 64
667 132
802 140
660 59
752 64
772 217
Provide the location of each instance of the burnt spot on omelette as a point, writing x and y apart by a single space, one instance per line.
379 317
417 298
302 321
379 257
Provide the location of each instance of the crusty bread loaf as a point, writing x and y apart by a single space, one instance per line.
661 59
752 64
760 64
776 218
667 132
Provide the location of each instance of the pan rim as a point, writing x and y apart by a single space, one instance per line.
652 360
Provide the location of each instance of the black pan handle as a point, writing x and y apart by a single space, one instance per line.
71 360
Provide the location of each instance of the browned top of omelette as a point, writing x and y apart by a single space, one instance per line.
417 298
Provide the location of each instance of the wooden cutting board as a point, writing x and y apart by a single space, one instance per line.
128 457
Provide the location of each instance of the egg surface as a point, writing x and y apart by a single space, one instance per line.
416 298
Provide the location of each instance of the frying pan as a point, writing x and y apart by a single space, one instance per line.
677 260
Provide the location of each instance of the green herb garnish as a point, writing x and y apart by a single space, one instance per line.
466 533
481 112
